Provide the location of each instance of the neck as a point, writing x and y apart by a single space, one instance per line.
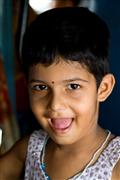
88 143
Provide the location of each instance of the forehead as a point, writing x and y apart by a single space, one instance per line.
59 71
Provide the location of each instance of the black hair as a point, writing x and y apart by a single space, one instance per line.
73 33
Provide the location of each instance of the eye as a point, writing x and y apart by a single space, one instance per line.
73 86
39 87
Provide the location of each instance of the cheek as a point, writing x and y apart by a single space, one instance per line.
37 106
39 112
85 106
36 100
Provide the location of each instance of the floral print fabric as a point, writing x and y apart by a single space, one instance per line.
100 170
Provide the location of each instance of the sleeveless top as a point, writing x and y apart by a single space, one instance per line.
100 170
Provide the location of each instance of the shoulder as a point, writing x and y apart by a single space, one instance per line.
116 171
37 140
15 157
116 150
19 149
38 135
114 146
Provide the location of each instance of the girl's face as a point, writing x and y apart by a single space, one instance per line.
64 100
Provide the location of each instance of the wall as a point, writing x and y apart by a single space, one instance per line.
110 111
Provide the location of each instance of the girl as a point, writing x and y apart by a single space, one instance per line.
65 60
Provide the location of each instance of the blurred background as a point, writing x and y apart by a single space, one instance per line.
16 119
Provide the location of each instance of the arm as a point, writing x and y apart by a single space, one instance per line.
12 162
116 171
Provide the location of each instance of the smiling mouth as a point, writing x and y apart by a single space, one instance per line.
61 124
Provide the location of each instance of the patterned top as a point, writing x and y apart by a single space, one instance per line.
100 170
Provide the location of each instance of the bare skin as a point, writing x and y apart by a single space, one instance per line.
116 172
12 163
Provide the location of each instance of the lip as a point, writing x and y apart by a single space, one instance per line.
61 125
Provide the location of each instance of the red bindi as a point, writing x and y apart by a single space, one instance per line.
53 82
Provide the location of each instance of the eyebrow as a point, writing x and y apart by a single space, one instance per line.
66 80
75 79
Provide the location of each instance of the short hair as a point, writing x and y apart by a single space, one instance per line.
73 33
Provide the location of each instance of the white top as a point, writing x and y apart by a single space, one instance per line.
100 170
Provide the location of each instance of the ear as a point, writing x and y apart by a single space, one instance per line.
106 87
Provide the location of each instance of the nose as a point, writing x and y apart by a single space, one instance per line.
57 102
